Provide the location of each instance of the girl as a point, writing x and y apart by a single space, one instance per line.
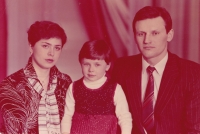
94 103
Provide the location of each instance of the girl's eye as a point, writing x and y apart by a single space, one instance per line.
85 64
97 65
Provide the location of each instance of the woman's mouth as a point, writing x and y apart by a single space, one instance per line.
49 60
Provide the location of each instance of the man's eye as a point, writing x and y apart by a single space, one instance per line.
155 33
140 34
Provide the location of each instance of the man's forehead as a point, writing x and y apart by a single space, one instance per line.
153 24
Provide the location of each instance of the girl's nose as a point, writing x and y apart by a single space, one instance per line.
91 69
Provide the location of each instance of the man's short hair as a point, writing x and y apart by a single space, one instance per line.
150 12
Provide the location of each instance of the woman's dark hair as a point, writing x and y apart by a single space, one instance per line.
150 12
95 49
45 30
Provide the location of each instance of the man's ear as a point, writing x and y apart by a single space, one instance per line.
170 35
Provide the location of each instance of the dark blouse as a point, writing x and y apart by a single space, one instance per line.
94 109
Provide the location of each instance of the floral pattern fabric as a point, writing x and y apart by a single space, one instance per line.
19 101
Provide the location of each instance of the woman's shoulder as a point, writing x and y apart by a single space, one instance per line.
64 76
60 75
13 79
15 76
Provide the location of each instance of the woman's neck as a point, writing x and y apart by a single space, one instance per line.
42 75
41 72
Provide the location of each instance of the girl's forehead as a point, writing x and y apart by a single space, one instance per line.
92 60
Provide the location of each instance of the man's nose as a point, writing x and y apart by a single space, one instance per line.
147 39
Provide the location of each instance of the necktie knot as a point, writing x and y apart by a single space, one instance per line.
150 69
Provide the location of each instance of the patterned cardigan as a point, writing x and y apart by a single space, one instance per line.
19 102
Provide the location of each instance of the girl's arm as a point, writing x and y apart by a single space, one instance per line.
69 111
122 111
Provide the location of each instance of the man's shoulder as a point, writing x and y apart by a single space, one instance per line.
183 60
124 66
128 59
190 66
184 63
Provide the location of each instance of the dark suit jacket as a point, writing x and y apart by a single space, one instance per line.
177 109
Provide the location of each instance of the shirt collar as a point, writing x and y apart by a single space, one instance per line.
160 66
31 75
99 81
30 71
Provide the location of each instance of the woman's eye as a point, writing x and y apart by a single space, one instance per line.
45 46
58 48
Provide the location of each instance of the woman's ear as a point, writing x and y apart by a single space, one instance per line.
30 49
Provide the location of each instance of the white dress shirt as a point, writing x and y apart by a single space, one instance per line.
157 75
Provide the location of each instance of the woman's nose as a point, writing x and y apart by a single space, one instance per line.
51 51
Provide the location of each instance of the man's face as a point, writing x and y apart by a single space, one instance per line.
46 52
152 39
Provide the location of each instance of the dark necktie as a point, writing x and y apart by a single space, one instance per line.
148 110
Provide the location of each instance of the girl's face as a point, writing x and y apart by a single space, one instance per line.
93 69
46 52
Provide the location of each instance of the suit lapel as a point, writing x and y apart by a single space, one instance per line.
167 84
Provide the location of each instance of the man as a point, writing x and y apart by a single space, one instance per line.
165 100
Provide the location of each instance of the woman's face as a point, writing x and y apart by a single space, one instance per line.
46 52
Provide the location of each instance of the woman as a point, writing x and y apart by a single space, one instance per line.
32 99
